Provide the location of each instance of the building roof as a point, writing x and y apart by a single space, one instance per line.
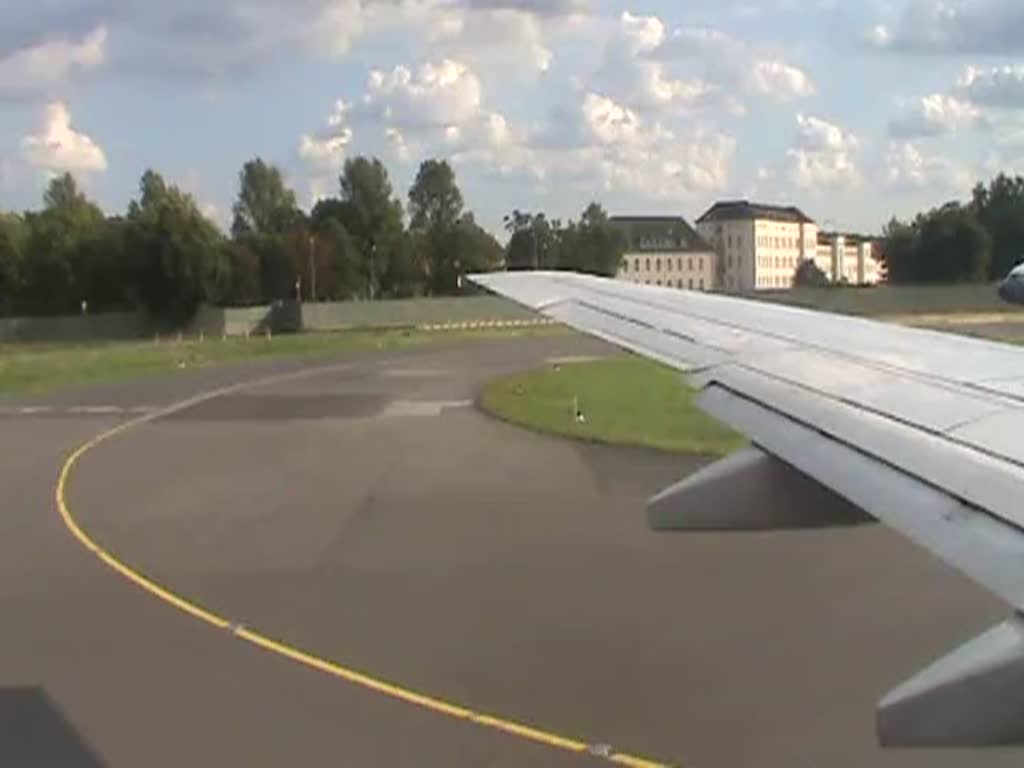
732 210
850 238
659 233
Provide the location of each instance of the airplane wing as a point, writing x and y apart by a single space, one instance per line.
848 418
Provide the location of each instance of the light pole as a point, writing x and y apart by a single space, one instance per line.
312 268
373 254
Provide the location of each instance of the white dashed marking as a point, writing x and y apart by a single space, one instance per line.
422 407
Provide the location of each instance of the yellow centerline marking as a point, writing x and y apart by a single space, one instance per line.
283 649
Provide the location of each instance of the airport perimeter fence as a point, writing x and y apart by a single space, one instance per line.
429 314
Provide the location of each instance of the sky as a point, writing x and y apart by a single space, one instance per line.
854 110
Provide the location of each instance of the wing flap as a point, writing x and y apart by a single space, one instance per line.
987 549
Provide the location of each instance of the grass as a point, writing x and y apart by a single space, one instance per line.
36 368
625 400
895 300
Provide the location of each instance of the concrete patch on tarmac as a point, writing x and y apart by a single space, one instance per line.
423 407
8 412
570 359
414 373
278 407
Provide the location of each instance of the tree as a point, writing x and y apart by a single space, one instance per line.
533 244
106 270
810 275
265 206
337 262
1000 210
478 249
593 245
435 210
373 219
13 236
180 251
53 248
899 252
953 246
435 201
233 278
947 244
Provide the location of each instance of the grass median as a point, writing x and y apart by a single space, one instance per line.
37 368
623 400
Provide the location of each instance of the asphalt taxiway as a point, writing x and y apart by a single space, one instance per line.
433 586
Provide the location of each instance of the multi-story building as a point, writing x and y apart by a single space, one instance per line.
759 247
665 250
848 258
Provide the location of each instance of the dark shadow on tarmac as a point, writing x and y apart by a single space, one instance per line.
34 733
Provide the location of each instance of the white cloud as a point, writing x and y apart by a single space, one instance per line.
335 26
998 87
42 68
59 147
435 109
954 27
879 36
935 115
823 155
446 93
608 122
326 151
780 80
233 39
643 33
607 145
907 167
734 65
817 135
630 75
512 36
399 147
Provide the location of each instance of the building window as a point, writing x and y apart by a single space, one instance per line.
689 264
702 283
647 281
625 266
690 284
701 263
728 261
636 264
729 240
659 282
739 241
668 265
679 283
679 265
648 262
657 267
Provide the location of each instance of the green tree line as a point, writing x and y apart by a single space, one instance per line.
591 245
973 241
165 257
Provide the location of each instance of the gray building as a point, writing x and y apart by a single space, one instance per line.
665 250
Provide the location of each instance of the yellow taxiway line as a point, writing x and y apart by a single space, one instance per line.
282 649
